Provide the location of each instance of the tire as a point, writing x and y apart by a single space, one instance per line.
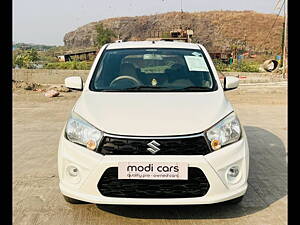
235 200
73 201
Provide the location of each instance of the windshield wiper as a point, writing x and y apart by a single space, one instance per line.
143 88
109 90
193 88
137 88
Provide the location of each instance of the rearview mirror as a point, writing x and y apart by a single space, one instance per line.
152 56
74 83
230 83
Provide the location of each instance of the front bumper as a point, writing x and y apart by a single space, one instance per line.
92 165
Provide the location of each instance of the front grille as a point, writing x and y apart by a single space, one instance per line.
173 146
196 186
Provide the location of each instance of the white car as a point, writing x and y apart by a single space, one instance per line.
153 127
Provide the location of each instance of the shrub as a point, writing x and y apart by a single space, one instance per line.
243 66
25 58
103 35
73 65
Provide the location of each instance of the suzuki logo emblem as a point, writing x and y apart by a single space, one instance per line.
153 147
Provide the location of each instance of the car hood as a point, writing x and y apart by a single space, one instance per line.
152 114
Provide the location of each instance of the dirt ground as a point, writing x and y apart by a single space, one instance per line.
38 122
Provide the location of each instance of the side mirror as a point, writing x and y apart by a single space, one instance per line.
74 83
230 83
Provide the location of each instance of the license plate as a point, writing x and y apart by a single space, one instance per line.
153 171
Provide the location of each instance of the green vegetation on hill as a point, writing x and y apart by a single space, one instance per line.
25 46
214 29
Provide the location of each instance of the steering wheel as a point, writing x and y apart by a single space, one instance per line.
121 78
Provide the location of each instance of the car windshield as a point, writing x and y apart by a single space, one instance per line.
155 69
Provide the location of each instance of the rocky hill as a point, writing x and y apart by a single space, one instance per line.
213 29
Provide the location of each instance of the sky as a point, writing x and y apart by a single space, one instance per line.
47 21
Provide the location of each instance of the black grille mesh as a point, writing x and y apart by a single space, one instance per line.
196 186
176 146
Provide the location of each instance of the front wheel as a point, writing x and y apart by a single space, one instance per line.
73 201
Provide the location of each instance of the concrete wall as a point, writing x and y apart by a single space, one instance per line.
249 77
47 76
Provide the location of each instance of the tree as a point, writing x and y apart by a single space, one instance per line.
104 35
25 59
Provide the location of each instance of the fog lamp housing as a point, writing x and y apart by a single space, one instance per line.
233 174
72 171
72 174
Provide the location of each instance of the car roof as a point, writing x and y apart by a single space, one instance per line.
153 44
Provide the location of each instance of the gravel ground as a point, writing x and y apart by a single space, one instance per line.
37 124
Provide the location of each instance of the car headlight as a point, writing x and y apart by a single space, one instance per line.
227 131
81 132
